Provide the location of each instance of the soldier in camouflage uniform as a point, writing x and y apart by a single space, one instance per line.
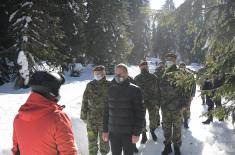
92 110
160 69
171 107
150 87
187 99
159 72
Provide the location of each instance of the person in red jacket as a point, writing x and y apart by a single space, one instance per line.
41 127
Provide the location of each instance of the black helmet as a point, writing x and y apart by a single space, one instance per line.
47 84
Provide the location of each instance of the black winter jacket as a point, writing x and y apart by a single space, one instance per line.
124 111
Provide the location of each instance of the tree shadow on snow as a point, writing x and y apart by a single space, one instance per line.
222 138
190 145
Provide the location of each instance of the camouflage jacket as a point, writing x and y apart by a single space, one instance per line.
191 88
149 86
159 72
93 102
171 96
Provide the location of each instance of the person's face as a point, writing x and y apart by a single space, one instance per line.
120 72
161 65
172 59
98 75
144 67
182 66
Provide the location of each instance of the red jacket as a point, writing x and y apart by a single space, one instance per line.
42 128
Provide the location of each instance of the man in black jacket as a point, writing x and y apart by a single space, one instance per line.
124 113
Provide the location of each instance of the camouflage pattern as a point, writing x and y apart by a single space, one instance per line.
169 119
150 88
187 97
171 96
171 107
159 73
92 112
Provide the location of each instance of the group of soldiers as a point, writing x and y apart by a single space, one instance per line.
159 91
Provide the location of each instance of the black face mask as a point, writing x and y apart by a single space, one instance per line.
144 70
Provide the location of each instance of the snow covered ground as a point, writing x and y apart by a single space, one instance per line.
217 138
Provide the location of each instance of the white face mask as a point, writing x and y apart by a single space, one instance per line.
119 79
98 77
169 63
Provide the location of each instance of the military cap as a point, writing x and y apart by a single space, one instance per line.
171 55
99 68
182 63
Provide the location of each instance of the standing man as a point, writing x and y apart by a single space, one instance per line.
171 107
159 73
160 69
188 96
149 86
93 108
124 113
41 127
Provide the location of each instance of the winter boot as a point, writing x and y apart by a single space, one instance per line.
144 138
208 121
154 137
135 149
177 150
167 150
186 124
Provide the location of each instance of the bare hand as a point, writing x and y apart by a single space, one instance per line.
105 136
135 139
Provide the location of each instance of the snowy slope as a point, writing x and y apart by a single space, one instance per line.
217 138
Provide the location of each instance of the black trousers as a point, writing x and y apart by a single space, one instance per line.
119 142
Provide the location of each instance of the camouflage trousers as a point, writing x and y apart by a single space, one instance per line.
172 126
186 112
152 110
94 135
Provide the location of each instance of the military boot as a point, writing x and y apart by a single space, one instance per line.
186 124
167 150
177 150
154 137
144 138
208 121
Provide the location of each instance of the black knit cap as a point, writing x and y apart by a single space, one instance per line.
99 68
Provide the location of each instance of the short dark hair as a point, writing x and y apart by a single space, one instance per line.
99 68
123 66
143 63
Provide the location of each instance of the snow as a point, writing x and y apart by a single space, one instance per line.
27 18
13 15
217 138
25 38
23 62
27 3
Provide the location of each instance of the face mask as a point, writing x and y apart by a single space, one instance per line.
119 79
144 70
169 63
98 77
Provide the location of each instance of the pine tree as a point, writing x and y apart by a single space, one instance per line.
107 39
164 34
139 29
37 34
217 40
